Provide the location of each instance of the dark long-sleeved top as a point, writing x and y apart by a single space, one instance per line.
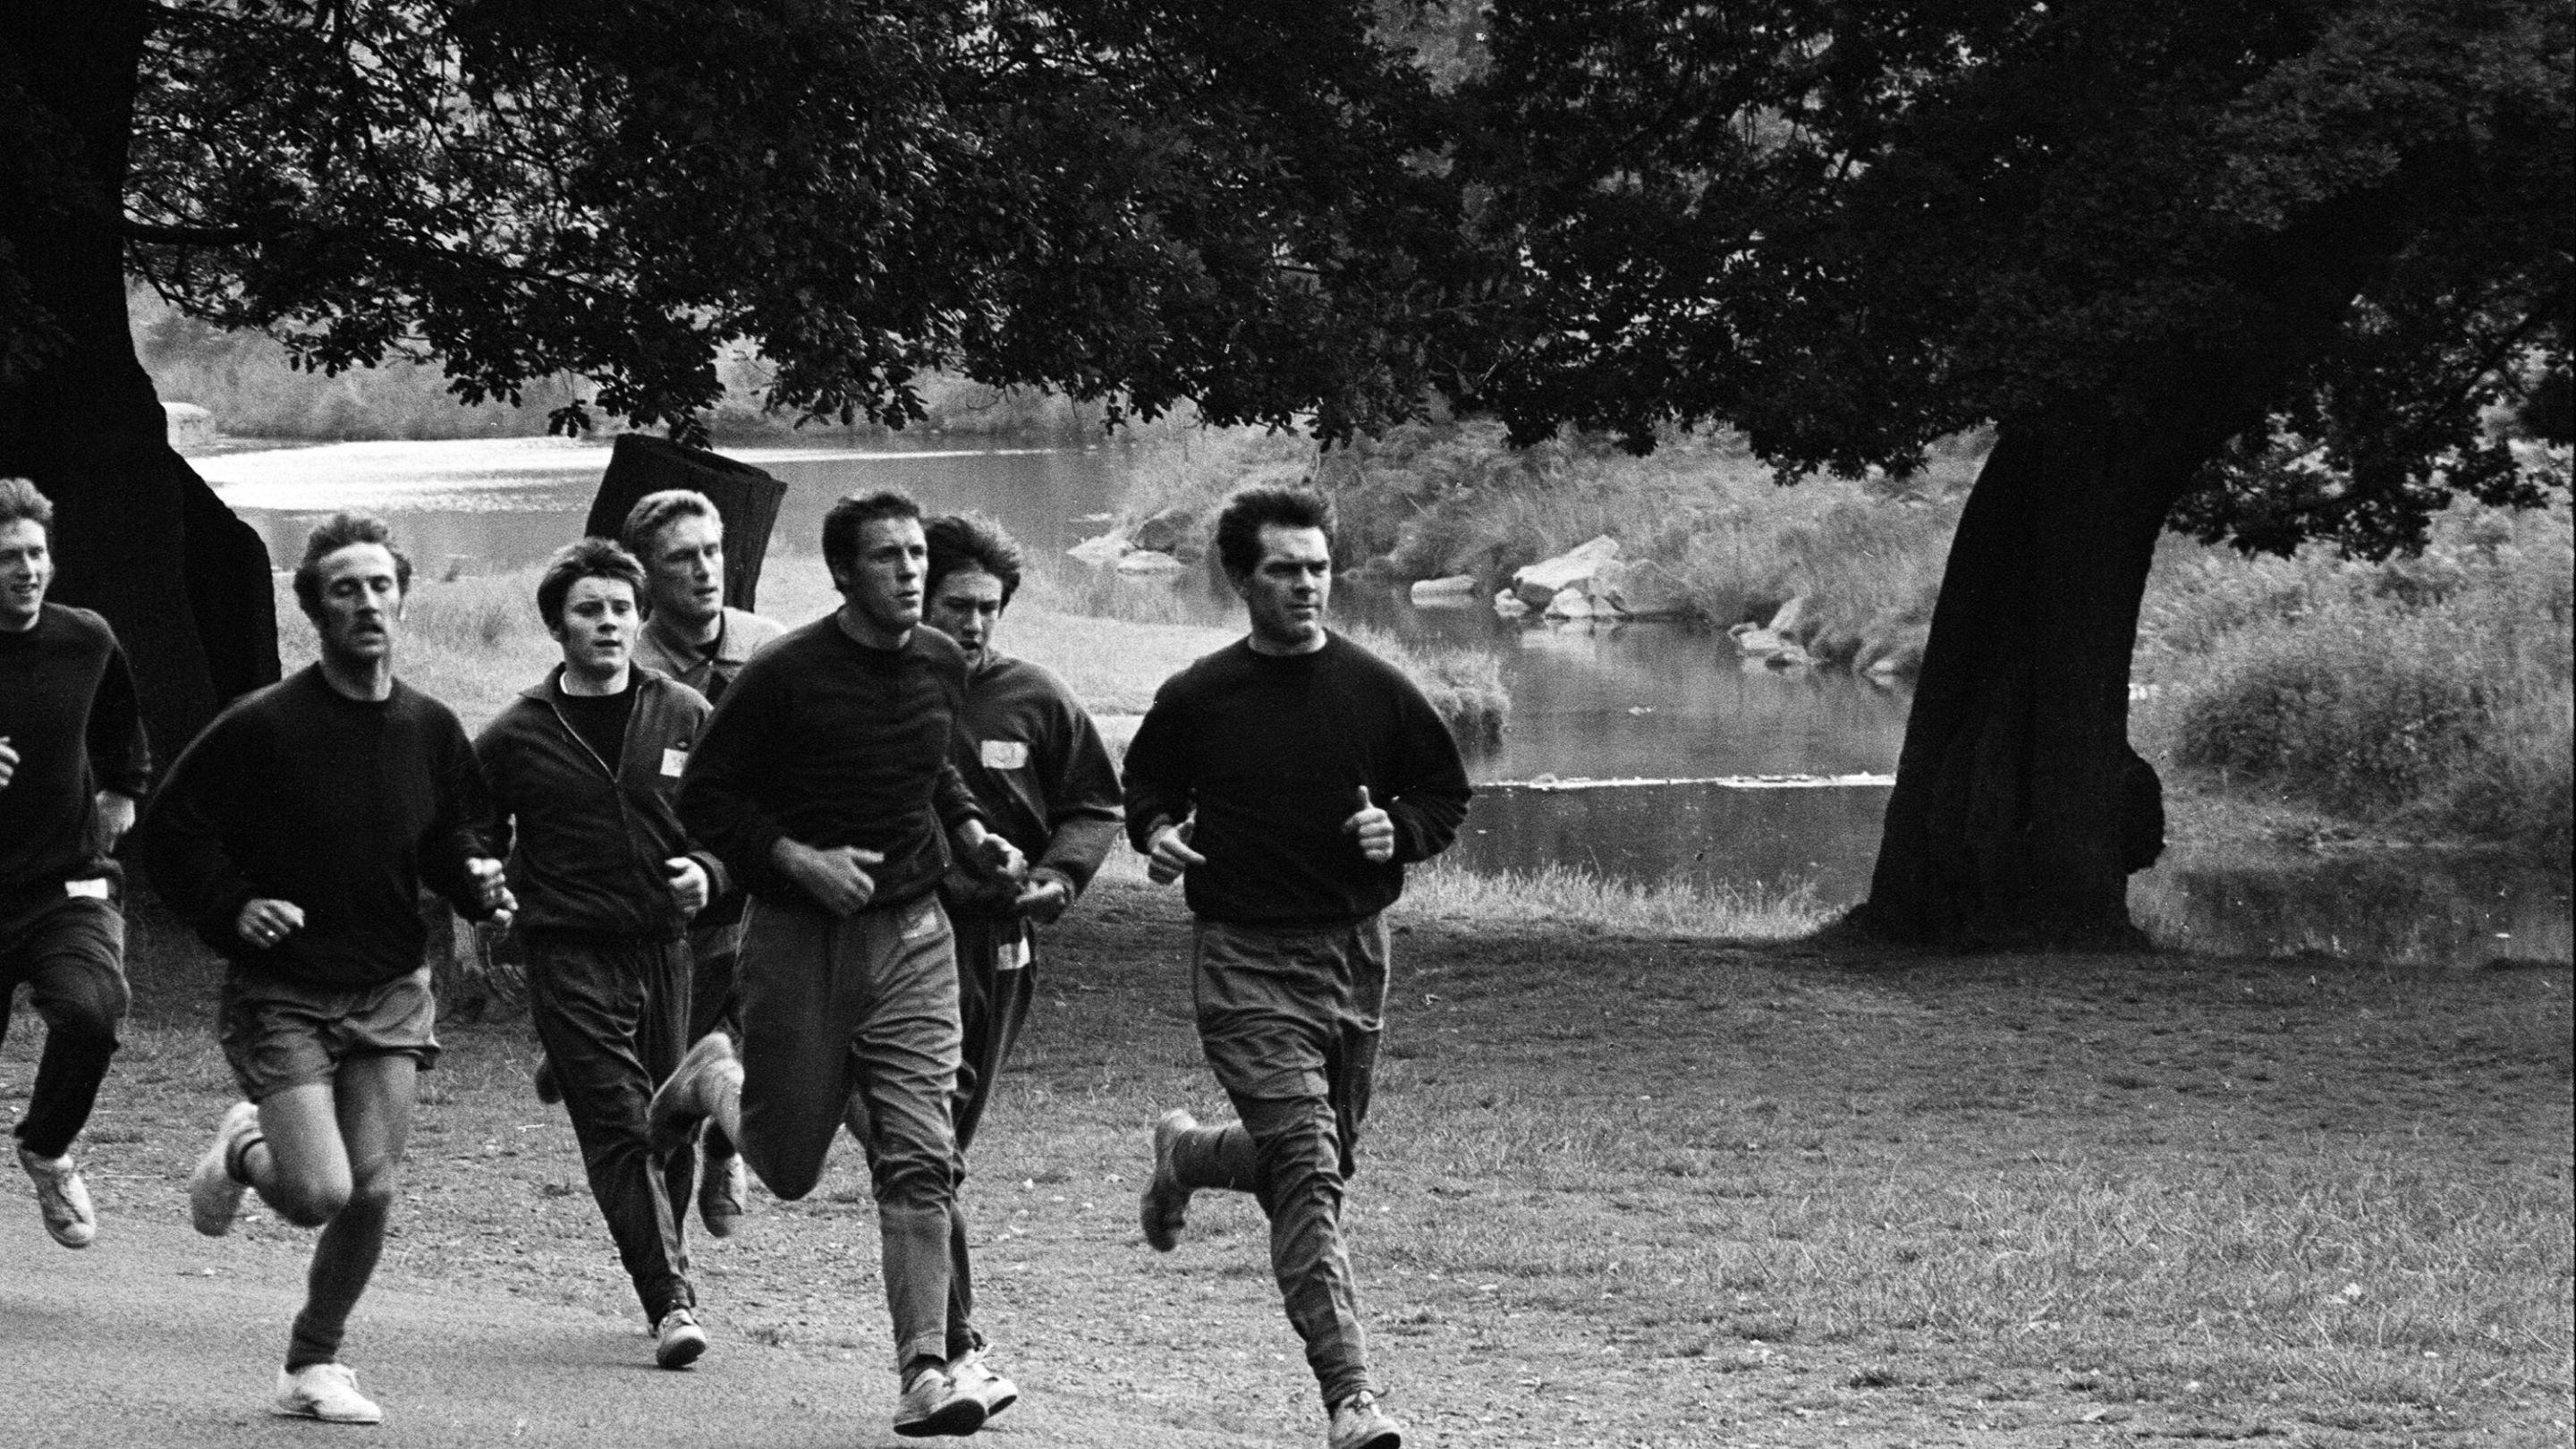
68 707
1270 751
1038 766
587 835
827 742
342 806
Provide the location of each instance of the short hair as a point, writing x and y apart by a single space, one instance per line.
1238 528
963 541
856 511
339 531
656 511
586 558
19 501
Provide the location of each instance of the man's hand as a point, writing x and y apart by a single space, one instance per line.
8 762
688 882
1168 853
987 854
838 877
1044 900
1374 828
491 890
264 923
115 817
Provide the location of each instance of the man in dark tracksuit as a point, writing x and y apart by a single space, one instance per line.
1037 765
824 784
294 834
1290 777
72 763
691 634
583 767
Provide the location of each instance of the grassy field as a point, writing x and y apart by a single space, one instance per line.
1669 1187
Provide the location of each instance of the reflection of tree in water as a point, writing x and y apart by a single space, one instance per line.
2404 910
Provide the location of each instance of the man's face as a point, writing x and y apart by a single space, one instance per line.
362 603
26 568
967 607
598 628
685 574
1286 591
883 581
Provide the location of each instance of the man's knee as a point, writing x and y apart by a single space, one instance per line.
87 1014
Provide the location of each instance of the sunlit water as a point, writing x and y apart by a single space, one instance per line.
1651 701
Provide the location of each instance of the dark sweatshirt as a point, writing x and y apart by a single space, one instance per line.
1270 752
1044 777
342 806
588 842
827 742
68 707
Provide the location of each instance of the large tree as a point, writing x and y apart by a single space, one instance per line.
1141 203
2252 268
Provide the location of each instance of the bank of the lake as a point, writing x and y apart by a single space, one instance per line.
2424 698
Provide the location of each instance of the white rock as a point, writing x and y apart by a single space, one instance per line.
1509 605
1097 551
1453 587
1641 589
1542 581
1571 603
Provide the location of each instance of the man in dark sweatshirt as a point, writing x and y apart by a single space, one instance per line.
294 834
72 763
583 768
1288 780
1037 765
824 784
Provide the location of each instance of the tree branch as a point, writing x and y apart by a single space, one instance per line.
191 236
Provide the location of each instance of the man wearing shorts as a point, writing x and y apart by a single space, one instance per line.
824 784
72 763
583 767
1038 767
1289 779
691 634
294 834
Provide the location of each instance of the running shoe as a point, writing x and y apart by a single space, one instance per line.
62 1197
678 1340
933 1404
214 1194
1358 1423
976 1379
324 1391
1165 1203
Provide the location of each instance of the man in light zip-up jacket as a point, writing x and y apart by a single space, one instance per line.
583 768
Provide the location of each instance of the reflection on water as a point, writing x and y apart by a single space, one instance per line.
1650 700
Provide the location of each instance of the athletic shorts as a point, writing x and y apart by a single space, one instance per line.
279 1033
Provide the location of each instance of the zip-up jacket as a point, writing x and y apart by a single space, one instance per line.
586 842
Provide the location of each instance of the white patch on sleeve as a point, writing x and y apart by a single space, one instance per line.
1005 755
673 762
94 888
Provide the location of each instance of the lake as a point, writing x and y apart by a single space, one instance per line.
1667 703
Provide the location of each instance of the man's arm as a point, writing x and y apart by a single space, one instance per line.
717 801
120 754
1083 802
1429 792
459 859
182 839
1156 784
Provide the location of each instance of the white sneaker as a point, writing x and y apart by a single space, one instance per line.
214 1194
324 1391
1359 1423
678 1340
932 1404
62 1197
976 1380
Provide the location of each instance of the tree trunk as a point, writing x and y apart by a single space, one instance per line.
137 534
2019 808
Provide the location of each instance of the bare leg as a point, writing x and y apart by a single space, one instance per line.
331 1160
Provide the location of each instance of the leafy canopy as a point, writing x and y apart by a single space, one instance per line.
1124 200
2338 230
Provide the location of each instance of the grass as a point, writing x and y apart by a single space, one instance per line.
2426 695
1619 1189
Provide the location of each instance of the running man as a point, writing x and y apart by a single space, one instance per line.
583 767
1038 767
72 763
824 784
294 833
694 636
1288 780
